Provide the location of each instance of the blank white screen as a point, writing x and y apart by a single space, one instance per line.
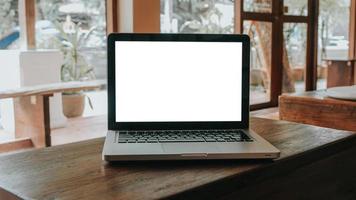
178 81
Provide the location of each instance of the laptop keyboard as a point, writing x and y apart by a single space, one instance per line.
169 136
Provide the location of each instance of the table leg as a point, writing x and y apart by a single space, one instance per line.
32 119
47 120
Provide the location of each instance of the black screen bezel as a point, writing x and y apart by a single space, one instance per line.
243 124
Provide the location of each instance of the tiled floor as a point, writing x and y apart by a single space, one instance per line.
93 124
6 136
269 113
99 100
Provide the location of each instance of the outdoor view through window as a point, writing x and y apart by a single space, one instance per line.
75 28
78 28
217 16
9 24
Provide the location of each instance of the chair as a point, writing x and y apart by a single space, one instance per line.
44 67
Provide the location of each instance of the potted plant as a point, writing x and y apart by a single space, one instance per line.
75 67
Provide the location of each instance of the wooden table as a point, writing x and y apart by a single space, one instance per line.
31 108
315 163
317 109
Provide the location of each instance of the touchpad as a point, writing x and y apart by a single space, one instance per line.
182 148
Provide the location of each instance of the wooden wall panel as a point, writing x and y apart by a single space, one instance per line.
146 17
352 50
30 13
112 16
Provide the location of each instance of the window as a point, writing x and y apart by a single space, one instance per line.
197 16
55 20
296 7
260 34
294 58
333 40
288 23
9 24
261 6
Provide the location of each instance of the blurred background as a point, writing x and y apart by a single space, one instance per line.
291 41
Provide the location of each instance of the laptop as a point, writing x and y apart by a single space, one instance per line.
180 97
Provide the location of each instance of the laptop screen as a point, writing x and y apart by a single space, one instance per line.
178 81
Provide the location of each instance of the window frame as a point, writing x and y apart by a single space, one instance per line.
277 18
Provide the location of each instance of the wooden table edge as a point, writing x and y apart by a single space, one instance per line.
247 178
233 181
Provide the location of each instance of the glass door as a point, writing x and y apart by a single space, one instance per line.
257 22
295 27
283 47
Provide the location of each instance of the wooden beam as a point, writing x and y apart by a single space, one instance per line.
352 34
18 144
238 17
260 106
112 16
264 17
146 16
295 19
311 68
30 18
277 53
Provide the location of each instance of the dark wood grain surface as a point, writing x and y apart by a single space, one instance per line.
76 171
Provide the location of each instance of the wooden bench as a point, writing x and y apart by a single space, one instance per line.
31 108
316 108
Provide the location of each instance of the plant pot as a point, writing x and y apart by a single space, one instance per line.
73 105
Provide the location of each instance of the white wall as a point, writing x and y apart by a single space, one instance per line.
9 79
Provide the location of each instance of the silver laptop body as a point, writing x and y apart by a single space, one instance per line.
180 97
